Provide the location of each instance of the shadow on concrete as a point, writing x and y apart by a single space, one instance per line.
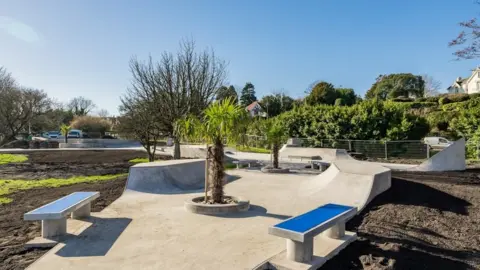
255 211
97 239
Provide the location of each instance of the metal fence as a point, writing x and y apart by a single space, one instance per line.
374 148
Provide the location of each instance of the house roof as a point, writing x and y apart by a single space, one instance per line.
253 105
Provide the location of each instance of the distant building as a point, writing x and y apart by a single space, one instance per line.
255 109
469 85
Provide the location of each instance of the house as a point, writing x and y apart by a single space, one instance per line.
254 109
469 85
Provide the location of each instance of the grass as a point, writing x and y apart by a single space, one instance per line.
252 149
10 186
230 166
10 158
138 160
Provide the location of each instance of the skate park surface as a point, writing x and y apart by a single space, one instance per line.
148 228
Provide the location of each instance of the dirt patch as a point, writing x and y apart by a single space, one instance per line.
425 221
15 232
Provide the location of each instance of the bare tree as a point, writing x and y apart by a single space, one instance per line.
432 86
103 113
81 106
468 39
137 122
175 86
18 108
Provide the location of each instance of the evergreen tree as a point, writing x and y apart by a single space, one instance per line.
248 94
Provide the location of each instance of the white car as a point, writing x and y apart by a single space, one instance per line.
437 142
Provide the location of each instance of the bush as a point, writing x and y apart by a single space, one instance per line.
368 120
91 124
402 99
458 97
444 100
432 99
339 102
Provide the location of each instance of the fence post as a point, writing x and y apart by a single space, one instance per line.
428 151
386 150
349 145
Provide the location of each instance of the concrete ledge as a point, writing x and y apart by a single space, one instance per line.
324 249
275 170
196 205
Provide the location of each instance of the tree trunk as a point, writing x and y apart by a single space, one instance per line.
275 149
217 171
176 148
66 138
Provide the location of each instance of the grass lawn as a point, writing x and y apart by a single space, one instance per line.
10 158
138 160
252 149
11 186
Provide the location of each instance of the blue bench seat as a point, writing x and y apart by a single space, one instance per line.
299 231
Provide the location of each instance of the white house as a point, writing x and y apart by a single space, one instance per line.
468 85
255 109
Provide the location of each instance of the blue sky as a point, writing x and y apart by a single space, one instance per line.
73 48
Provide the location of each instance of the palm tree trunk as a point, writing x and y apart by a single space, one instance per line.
217 172
176 148
275 149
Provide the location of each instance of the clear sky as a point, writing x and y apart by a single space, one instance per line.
72 48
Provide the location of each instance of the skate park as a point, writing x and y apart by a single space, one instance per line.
149 228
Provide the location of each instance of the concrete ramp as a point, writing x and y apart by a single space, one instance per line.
347 182
451 158
327 154
165 177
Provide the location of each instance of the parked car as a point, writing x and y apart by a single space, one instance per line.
437 142
53 134
75 133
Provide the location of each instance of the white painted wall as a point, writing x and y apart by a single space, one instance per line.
473 85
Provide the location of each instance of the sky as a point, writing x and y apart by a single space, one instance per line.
82 48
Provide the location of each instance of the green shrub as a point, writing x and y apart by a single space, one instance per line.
458 97
403 99
444 100
432 99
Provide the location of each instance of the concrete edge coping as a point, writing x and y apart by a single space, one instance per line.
216 209
275 170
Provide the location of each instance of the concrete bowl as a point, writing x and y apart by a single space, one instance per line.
275 170
196 205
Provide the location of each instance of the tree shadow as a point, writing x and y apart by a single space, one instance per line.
96 240
255 211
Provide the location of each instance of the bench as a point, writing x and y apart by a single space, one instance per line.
54 215
306 157
248 162
319 164
299 231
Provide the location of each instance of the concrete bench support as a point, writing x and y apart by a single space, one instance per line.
328 220
54 215
82 212
300 251
248 162
54 227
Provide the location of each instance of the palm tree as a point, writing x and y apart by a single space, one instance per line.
221 122
64 129
276 136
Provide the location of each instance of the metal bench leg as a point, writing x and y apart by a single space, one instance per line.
337 231
238 165
54 227
298 251
82 212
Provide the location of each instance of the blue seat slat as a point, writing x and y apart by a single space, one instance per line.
309 220
61 204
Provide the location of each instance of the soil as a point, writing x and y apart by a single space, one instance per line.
15 232
425 221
